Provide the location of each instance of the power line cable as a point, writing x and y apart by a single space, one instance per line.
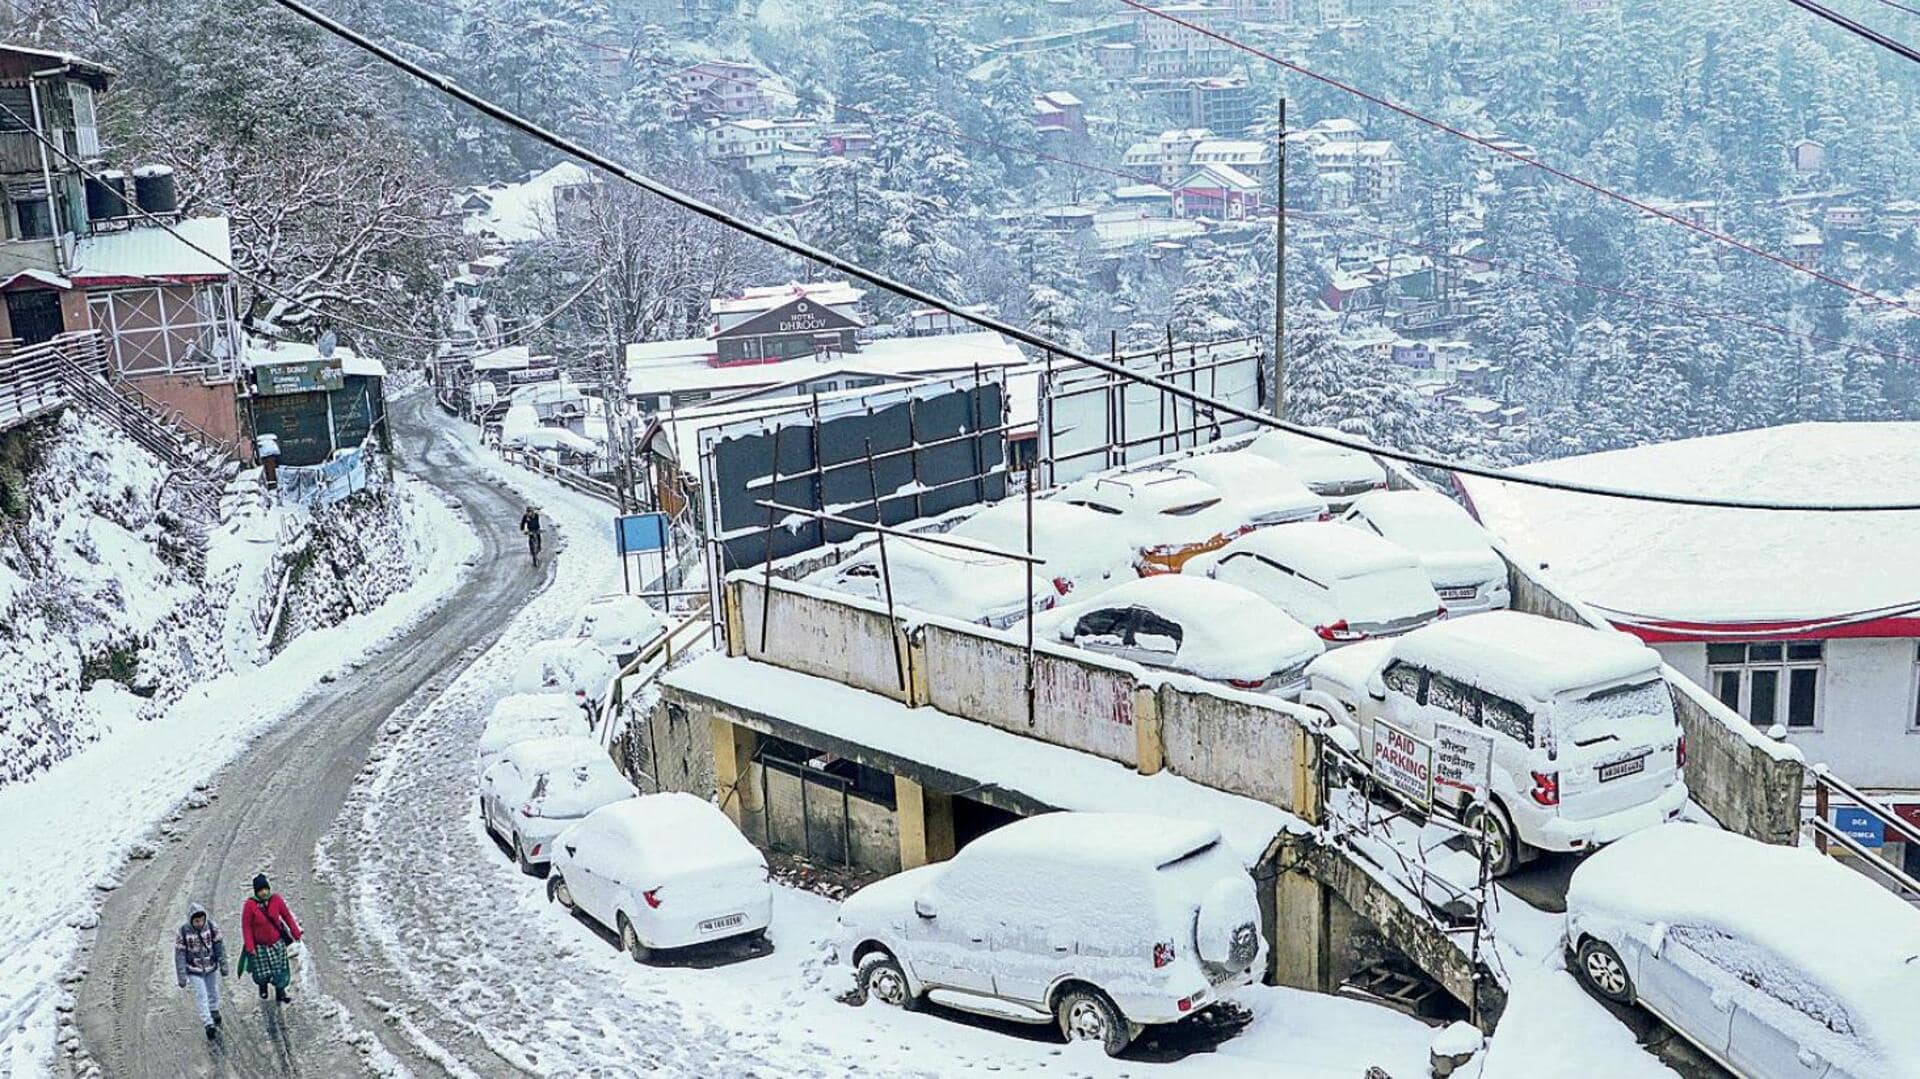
853 269
154 219
1728 314
1532 162
1858 29
1898 6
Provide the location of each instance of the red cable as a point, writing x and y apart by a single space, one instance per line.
1522 158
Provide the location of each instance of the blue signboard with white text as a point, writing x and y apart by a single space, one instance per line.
640 532
1860 825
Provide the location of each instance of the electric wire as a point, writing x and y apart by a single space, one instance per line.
1531 162
1858 29
853 269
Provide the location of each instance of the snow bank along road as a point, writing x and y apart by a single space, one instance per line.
272 805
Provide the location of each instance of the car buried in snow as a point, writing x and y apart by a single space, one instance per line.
1102 923
540 787
663 871
621 625
1180 622
1347 585
1585 745
1335 472
1169 517
1256 488
1778 962
973 586
1452 547
518 717
1082 554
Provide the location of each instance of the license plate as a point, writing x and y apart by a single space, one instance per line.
714 925
1622 768
1459 593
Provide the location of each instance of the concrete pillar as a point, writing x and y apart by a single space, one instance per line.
736 638
913 648
1149 745
925 823
1308 801
1299 958
733 749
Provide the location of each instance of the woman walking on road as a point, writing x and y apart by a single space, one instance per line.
199 953
267 928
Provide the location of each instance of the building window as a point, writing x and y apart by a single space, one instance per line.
1769 682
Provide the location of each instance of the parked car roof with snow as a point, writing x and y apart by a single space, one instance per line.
1456 552
1168 516
520 716
1131 839
1747 906
1196 625
674 833
1331 470
620 624
1079 544
1323 548
1264 491
1527 657
941 580
563 665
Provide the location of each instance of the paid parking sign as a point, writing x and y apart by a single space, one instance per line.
1461 762
1404 763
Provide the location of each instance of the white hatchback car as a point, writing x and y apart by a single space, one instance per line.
518 717
1102 922
565 665
1346 584
1586 748
1779 962
620 624
1190 624
1257 488
1338 473
1451 546
663 871
1167 516
540 787
1083 554
935 579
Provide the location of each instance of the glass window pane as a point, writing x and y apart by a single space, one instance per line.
1763 653
1803 650
1763 698
1803 688
1726 686
1726 653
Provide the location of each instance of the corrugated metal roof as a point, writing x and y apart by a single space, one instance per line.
148 252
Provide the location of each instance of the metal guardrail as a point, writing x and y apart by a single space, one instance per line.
566 477
1825 785
651 660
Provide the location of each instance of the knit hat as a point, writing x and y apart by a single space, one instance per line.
260 882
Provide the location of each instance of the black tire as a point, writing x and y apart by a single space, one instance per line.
486 821
630 940
558 892
1504 854
520 857
882 978
1602 971
1087 1015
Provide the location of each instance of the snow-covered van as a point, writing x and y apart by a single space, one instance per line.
1586 748
1104 923
1779 962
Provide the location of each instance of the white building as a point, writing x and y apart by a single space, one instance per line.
1809 622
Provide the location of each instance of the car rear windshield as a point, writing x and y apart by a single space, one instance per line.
1604 711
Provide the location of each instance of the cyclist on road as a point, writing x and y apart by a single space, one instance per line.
530 524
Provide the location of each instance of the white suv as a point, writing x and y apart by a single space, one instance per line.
1586 748
1103 922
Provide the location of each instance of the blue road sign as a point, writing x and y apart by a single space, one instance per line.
1860 825
640 532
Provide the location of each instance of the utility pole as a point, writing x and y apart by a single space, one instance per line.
1280 268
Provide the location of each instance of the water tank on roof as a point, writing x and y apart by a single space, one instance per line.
153 189
107 195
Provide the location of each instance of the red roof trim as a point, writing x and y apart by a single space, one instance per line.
1663 632
151 279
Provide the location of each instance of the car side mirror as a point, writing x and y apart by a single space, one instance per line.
926 908
1378 693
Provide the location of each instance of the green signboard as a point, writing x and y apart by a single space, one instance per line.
299 376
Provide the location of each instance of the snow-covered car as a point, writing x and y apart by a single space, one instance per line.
1169 517
565 665
1346 584
1778 962
1585 746
1083 554
663 871
1335 472
1256 488
1104 923
1451 546
519 717
540 787
947 581
620 625
1190 624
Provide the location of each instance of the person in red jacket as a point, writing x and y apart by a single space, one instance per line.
267 928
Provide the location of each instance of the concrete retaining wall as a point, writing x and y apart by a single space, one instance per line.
667 749
1248 747
1078 702
817 635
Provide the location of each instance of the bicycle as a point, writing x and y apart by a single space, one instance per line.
533 546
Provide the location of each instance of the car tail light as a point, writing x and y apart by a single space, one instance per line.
1339 631
652 896
1680 752
535 853
1186 1004
1162 954
1062 586
1325 515
1440 614
527 810
1546 788
1246 683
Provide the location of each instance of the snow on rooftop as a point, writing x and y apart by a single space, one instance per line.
1050 774
264 353
668 366
1644 560
768 297
142 253
1862 972
1525 656
510 358
525 211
